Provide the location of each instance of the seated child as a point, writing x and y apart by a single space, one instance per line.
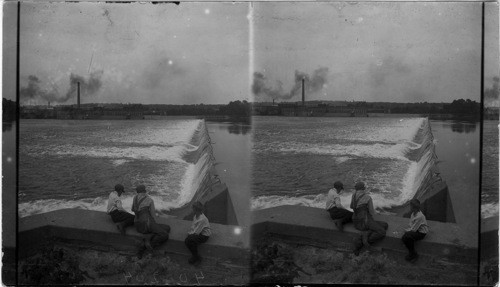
416 231
199 233
338 213
117 212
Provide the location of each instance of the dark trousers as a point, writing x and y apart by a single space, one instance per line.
340 214
159 232
123 217
193 240
376 231
409 239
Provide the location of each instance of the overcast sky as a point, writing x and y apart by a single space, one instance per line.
404 52
140 53
199 52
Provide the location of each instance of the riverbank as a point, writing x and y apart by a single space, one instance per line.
312 264
94 252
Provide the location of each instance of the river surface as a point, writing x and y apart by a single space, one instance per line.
75 164
297 160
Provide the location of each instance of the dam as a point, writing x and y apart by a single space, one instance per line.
191 159
397 158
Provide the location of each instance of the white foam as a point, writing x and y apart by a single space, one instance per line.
118 162
391 151
489 210
156 153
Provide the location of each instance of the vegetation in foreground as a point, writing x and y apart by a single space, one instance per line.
278 262
69 265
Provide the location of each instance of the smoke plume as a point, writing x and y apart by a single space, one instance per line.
34 91
88 87
313 83
491 95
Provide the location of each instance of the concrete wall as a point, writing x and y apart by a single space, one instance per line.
489 238
303 224
96 228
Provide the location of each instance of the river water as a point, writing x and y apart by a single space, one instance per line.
297 160
75 164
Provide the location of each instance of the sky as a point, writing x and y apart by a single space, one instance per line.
401 52
208 52
190 53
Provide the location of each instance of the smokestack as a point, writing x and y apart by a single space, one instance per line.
78 93
303 93
273 102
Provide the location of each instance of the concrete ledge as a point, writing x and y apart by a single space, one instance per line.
445 240
489 238
97 228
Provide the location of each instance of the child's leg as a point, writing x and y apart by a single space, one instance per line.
192 244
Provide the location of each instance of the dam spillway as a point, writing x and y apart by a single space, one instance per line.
297 160
75 164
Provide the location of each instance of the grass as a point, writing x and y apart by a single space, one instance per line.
90 267
313 264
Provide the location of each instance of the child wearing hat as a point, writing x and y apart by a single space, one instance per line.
199 232
338 213
144 208
120 217
417 230
363 219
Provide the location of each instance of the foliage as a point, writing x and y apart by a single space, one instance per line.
9 110
51 266
236 108
273 262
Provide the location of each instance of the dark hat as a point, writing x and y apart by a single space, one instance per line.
140 188
359 185
198 205
338 185
119 187
415 203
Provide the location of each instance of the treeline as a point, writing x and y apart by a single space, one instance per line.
457 107
9 109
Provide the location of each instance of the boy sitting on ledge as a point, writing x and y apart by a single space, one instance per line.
199 232
120 217
416 231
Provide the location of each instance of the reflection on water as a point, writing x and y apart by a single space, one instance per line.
239 128
463 127
7 126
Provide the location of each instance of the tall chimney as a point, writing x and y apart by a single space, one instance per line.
78 94
303 93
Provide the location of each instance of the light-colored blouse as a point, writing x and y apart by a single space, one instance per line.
200 225
333 199
418 223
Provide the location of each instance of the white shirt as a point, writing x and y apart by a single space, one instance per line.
200 226
333 199
418 223
114 202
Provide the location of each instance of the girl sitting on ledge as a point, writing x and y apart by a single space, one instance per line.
416 231
120 217
364 219
338 213
199 232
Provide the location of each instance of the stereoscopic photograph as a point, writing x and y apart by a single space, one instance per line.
240 143
134 143
366 144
